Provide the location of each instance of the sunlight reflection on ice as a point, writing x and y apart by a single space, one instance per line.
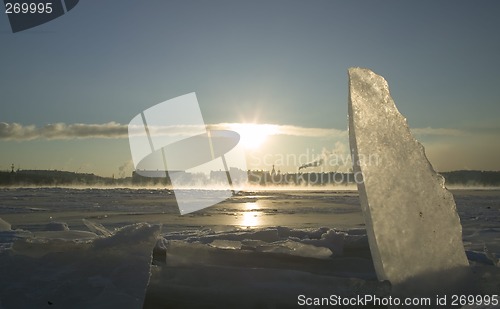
251 217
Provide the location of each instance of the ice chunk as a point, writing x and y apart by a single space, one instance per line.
226 244
303 233
267 235
480 257
412 225
97 228
296 248
252 244
160 251
62 235
332 240
9 236
4 225
56 226
491 256
110 272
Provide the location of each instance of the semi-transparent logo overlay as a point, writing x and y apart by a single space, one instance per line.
170 141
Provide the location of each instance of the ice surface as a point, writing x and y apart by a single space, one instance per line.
412 224
220 278
222 287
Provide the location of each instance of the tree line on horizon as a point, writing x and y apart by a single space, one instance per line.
263 178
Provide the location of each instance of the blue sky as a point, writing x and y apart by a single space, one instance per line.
275 62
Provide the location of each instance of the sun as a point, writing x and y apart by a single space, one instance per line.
253 135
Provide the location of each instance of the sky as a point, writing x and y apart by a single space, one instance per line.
70 87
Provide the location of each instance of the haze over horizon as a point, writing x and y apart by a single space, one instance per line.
70 87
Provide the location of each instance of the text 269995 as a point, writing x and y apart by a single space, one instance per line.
474 300
28 8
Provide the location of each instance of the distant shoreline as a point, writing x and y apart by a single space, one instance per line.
455 180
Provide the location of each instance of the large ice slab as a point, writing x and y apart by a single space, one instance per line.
105 272
413 228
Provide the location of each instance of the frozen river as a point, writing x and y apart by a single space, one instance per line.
258 249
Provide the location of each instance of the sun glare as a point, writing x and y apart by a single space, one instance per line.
253 135
251 215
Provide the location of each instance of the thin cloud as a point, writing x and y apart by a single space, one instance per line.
61 131
310 132
438 132
290 130
19 132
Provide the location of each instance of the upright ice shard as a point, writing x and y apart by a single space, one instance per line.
413 228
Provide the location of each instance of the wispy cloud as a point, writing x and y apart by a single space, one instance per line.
310 132
19 132
290 130
438 132
16 131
